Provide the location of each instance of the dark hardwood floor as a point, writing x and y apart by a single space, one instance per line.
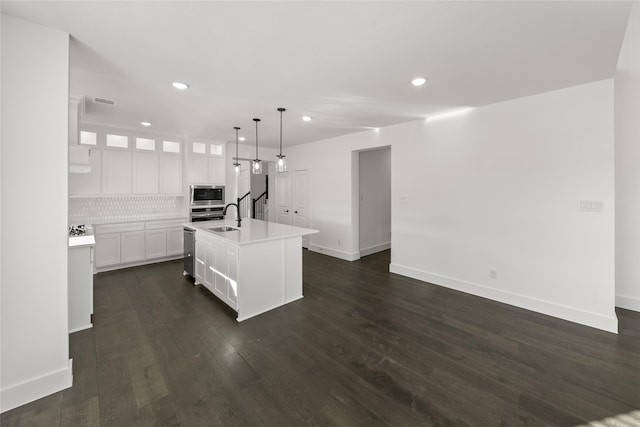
363 348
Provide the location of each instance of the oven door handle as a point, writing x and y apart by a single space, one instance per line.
205 214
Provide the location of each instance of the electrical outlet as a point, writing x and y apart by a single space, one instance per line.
493 274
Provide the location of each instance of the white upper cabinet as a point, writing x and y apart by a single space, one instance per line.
145 173
207 163
170 174
116 172
216 170
87 184
121 164
198 170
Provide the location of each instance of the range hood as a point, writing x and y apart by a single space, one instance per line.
79 159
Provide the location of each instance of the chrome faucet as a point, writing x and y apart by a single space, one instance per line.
224 212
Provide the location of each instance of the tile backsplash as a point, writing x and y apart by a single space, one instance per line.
101 210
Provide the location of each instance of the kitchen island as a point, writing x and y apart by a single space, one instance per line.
254 268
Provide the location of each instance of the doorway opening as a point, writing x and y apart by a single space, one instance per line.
373 192
254 191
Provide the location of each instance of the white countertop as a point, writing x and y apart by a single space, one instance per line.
251 230
86 239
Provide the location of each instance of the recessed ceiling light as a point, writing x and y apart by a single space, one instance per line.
180 85
145 124
418 81
306 118
242 138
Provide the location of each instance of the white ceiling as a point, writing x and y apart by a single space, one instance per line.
346 64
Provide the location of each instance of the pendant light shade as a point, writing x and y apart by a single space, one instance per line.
256 164
236 164
281 164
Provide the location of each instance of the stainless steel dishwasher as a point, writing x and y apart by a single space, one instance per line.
189 251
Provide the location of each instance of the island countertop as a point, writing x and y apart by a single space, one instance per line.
251 230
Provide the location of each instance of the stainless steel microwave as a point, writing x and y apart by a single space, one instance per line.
207 195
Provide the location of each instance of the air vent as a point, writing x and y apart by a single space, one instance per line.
105 101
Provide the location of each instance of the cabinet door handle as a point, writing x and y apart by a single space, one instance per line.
295 211
287 211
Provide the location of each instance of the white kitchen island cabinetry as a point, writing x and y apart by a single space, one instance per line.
253 269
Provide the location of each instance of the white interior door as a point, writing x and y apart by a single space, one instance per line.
283 198
301 202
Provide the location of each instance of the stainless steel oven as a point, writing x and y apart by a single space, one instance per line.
206 213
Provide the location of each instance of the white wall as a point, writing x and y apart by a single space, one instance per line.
333 191
374 181
497 189
35 94
627 148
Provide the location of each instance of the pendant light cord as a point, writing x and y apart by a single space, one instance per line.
281 111
256 120
237 129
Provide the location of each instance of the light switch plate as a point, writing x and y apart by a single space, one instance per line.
591 205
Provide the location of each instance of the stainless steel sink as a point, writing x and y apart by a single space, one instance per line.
223 228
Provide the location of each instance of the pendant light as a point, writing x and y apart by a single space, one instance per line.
256 164
281 164
236 164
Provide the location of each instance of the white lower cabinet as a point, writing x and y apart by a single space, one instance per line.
175 241
156 243
132 246
107 249
80 294
125 244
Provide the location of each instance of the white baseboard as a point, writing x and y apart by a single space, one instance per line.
594 320
629 303
137 263
36 388
347 256
257 313
81 328
374 249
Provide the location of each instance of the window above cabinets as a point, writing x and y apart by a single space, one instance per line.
117 141
216 150
171 147
199 148
96 136
208 148
88 138
145 144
